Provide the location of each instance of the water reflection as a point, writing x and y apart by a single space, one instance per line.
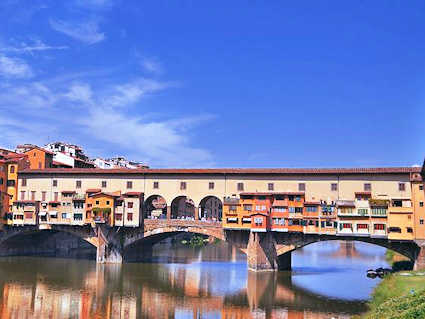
57 288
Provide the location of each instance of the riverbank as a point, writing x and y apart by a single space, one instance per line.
400 295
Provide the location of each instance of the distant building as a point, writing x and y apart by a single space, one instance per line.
118 162
68 155
38 157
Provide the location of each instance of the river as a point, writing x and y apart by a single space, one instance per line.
328 281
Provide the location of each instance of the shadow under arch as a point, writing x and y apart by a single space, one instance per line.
211 208
155 207
47 243
183 207
406 248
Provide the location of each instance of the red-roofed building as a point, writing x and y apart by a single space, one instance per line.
39 158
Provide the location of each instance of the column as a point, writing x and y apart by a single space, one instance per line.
168 212
420 257
261 252
109 247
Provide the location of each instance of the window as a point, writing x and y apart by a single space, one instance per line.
346 225
334 187
104 184
297 198
129 184
55 183
43 196
247 207
211 185
298 210
1 181
22 195
291 209
409 229
12 169
279 209
11 183
421 187
362 226
367 187
32 195
155 185
24 182
182 185
270 187
129 216
301 187
379 227
421 204
118 217
421 221
108 202
311 209
240 186
64 215
401 187
56 196
39 165
97 202
130 204
232 208
78 184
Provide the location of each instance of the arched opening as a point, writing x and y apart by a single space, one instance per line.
211 209
182 207
47 243
155 207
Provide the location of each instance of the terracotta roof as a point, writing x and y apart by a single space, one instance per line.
93 190
54 202
68 192
104 193
362 193
132 194
229 171
40 149
423 170
25 201
271 193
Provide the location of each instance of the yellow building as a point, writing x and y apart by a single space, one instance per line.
400 219
235 214
103 207
418 201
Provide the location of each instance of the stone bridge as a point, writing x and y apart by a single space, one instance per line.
264 250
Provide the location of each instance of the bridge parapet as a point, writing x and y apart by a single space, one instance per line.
151 224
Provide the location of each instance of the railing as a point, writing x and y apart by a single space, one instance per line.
181 223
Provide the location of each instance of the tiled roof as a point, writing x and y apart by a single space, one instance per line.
132 194
40 149
312 203
93 190
68 192
228 171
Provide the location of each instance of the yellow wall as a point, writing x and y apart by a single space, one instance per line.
418 197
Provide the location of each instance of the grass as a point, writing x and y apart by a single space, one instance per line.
398 296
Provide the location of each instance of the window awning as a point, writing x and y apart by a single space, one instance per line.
42 213
53 213
232 219
246 219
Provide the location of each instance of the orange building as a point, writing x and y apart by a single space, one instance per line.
236 216
418 202
259 205
295 211
101 207
311 217
4 196
39 158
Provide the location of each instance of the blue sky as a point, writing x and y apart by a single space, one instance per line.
217 83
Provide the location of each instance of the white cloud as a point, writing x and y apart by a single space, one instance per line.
106 118
87 32
14 68
151 65
30 48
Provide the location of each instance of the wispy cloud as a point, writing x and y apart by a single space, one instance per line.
151 65
30 48
11 67
95 4
105 118
87 32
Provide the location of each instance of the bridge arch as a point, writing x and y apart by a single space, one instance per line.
183 207
155 207
57 241
407 249
210 208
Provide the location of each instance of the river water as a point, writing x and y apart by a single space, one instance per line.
328 281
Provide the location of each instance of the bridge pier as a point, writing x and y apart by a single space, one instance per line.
261 252
420 257
109 250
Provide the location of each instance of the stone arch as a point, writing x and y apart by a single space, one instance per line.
155 207
182 207
22 241
210 208
408 249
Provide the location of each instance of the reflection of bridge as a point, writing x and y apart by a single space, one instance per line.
110 291
265 251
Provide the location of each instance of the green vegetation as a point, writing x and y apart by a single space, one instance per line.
399 296
195 241
398 262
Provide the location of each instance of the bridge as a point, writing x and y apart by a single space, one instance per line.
264 250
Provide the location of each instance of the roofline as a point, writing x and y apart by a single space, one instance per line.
423 171
224 171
